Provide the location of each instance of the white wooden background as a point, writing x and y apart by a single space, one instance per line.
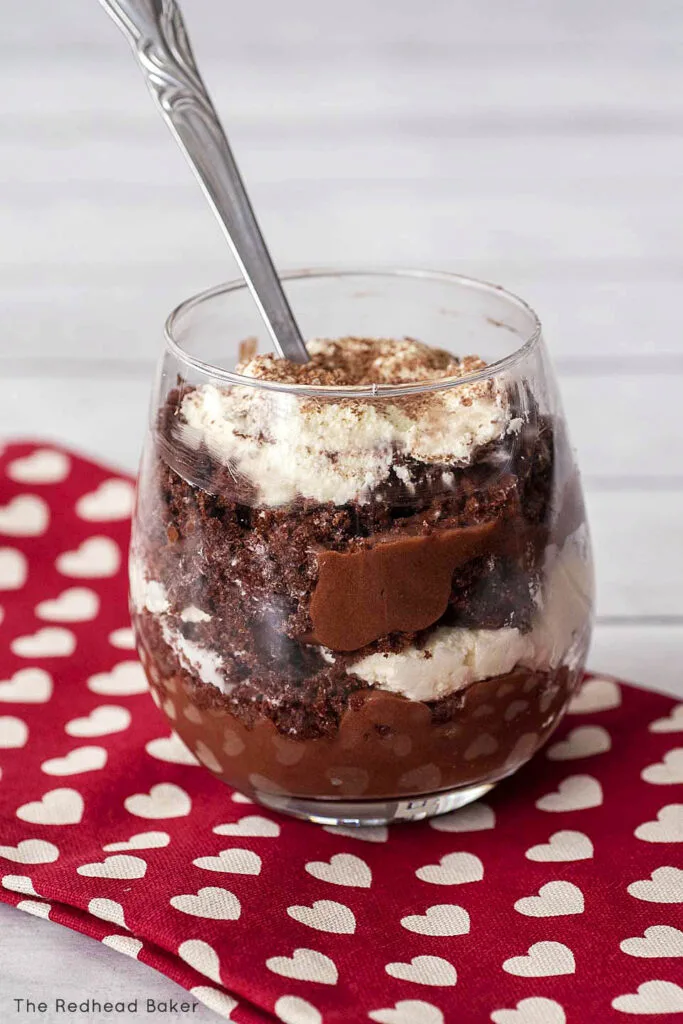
535 144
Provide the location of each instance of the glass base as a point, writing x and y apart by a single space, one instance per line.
374 812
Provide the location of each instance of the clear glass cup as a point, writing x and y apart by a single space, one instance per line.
361 604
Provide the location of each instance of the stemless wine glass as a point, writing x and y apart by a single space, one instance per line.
365 603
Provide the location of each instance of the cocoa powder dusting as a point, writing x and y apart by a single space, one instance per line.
358 362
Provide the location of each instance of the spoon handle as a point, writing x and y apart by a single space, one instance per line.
157 34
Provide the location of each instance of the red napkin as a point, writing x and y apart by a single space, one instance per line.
558 899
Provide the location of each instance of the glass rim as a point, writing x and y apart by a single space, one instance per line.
527 345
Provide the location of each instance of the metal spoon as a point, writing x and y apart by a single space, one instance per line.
157 34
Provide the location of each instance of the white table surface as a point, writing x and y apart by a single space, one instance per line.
539 145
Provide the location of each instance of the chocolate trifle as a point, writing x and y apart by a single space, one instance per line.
366 578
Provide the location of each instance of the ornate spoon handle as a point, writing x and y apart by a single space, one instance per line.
157 34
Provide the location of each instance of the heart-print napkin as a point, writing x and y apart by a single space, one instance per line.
558 899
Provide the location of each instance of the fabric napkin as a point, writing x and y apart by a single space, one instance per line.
558 899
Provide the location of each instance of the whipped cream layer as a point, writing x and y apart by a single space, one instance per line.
340 450
146 594
207 665
565 601
151 596
451 659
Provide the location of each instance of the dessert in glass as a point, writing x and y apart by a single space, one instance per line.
361 588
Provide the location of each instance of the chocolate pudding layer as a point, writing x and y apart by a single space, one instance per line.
362 597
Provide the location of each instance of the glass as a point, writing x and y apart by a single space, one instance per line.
369 603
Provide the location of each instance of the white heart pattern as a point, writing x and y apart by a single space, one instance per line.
305 965
204 754
211 902
668 828
140 841
113 499
219 1002
575 793
524 748
294 1010
13 732
659 940
453 869
168 707
534 1010
172 749
668 772
652 997
82 759
586 741
370 834
325 916
31 851
233 861
27 515
473 818
122 865
125 680
555 899
35 907
165 800
102 721
19 883
343 869
42 466
51 642
94 558
28 686
408 1011
441 919
485 744
249 825
664 886
202 957
562 846
123 638
77 604
13 569
543 960
595 695
672 723
425 970
58 807
123 944
107 910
